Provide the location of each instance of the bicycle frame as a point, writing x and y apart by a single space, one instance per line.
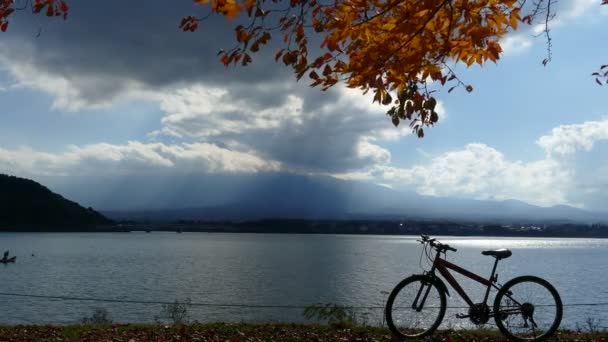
443 267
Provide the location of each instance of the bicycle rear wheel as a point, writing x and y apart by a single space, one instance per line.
528 308
415 307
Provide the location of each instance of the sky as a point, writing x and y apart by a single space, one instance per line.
118 89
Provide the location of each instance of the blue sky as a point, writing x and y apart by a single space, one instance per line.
136 95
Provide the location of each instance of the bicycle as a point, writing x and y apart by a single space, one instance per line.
526 308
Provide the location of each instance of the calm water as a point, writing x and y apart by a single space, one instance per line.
267 270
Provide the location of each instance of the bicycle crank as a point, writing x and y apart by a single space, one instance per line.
479 313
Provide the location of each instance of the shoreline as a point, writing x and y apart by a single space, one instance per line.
380 227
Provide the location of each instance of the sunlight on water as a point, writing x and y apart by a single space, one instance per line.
507 242
535 243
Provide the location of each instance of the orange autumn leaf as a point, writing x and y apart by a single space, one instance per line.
52 8
385 46
396 49
231 9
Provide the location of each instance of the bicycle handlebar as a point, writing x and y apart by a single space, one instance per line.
441 247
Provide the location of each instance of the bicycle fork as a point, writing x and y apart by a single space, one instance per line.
418 306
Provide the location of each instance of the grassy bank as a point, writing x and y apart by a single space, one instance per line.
245 332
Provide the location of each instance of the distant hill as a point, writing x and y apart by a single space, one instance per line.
159 197
27 205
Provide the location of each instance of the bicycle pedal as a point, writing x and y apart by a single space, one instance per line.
462 316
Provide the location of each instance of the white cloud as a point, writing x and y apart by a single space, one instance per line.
24 160
203 112
335 130
257 120
71 93
567 139
481 172
515 44
576 10
369 151
307 130
133 157
279 123
581 7
355 175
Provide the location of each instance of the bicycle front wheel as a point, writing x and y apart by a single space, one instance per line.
528 308
415 307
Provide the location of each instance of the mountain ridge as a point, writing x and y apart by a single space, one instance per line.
277 195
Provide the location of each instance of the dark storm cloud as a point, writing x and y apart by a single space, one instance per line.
106 46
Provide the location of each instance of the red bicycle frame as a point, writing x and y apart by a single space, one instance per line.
443 265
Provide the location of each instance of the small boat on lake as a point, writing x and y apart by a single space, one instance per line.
7 260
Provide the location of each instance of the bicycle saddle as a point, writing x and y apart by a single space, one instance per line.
502 253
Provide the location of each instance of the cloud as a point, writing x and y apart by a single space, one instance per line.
476 171
579 8
482 172
567 139
252 119
74 92
565 15
307 130
515 44
205 112
87 64
92 60
26 161
133 158
284 123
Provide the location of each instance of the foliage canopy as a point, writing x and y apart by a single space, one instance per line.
394 48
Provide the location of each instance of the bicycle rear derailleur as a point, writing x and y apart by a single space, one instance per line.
478 314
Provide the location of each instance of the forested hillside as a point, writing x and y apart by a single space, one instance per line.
25 204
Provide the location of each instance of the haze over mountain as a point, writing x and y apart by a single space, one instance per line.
281 195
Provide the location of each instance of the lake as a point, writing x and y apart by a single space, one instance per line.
267 269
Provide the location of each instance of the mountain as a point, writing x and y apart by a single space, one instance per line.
281 195
25 204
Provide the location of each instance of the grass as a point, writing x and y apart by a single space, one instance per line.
247 332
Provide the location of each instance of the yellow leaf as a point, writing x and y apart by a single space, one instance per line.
231 9
388 26
514 18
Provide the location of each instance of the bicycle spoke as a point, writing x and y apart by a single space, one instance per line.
528 310
415 308
421 313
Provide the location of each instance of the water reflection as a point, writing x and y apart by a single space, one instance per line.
267 269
